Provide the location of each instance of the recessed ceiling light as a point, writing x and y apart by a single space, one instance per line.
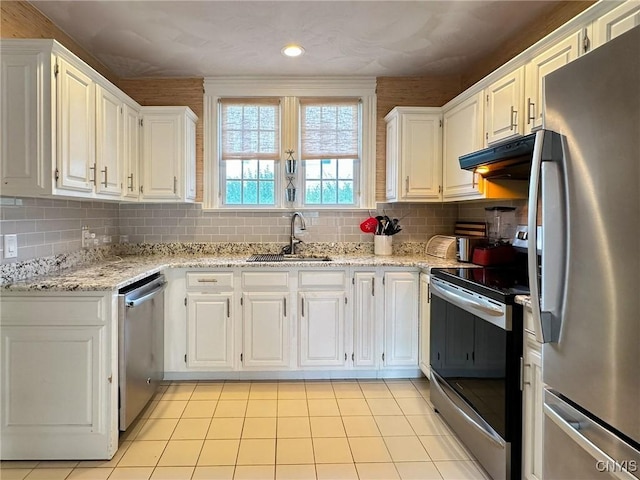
292 50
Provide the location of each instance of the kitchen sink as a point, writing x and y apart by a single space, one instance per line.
278 257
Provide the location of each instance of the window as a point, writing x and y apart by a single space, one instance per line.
330 140
250 148
251 123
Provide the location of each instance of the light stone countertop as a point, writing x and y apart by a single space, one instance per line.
524 300
118 272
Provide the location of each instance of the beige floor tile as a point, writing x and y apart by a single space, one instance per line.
393 426
262 408
181 453
230 408
257 452
443 448
319 390
15 473
336 471
428 425
293 427
87 474
219 452
133 430
294 451
169 409
143 454
368 449
377 471
364 426
46 474
263 391
207 391
259 428
131 473
146 411
414 406
235 391
225 428
295 472
353 406
122 448
325 407
465 470
347 390
406 449
57 464
383 406
157 429
403 389
292 408
328 427
179 392
22 464
172 473
213 473
418 471
199 409
375 390
254 472
291 391
332 450
191 429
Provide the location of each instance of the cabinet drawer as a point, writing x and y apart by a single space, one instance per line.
265 279
315 278
217 280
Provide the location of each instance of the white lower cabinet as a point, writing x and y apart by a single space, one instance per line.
532 405
58 381
425 324
401 297
322 329
364 320
265 336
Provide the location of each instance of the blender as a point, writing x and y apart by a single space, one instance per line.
500 226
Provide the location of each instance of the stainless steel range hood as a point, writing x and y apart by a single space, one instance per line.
508 160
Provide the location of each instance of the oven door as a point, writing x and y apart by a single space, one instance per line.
475 366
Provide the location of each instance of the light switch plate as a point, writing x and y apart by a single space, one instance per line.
10 246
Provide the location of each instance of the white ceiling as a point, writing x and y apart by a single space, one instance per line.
211 38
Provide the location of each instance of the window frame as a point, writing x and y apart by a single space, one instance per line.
289 89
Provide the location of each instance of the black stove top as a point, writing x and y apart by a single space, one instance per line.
500 283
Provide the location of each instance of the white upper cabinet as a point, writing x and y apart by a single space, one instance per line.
414 158
131 158
504 105
109 142
463 133
553 58
617 21
168 159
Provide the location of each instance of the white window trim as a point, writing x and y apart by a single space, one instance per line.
288 88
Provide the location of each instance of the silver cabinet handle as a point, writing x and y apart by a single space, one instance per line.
514 118
406 184
175 184
207 280
93 180
530 118
284 300
130 186
303 306
228 308
373 287
105 183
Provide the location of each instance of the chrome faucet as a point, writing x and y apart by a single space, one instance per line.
292 239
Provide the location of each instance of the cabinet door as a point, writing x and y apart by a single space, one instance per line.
109 144
553 58
503 113
425 324
532 404
162 144
266 330
76 129
364 319
190 146
421 160
210 330
463 133
617 21
322 329
401 291
392 159
131 157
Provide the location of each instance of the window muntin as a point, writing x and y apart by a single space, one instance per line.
329 182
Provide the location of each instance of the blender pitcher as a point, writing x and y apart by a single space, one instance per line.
501 224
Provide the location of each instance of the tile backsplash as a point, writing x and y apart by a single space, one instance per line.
47 227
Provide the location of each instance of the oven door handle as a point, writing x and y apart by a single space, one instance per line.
456 298
477 422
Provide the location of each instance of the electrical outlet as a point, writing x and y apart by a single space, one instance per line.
10 246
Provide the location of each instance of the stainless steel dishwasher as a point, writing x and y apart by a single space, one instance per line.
141 344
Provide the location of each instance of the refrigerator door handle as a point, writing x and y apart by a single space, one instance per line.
571 427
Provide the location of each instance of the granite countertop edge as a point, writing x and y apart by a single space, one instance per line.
524 300
118 272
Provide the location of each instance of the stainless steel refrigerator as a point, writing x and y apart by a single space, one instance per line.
587 304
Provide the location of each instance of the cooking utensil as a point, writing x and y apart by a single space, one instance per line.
369 225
